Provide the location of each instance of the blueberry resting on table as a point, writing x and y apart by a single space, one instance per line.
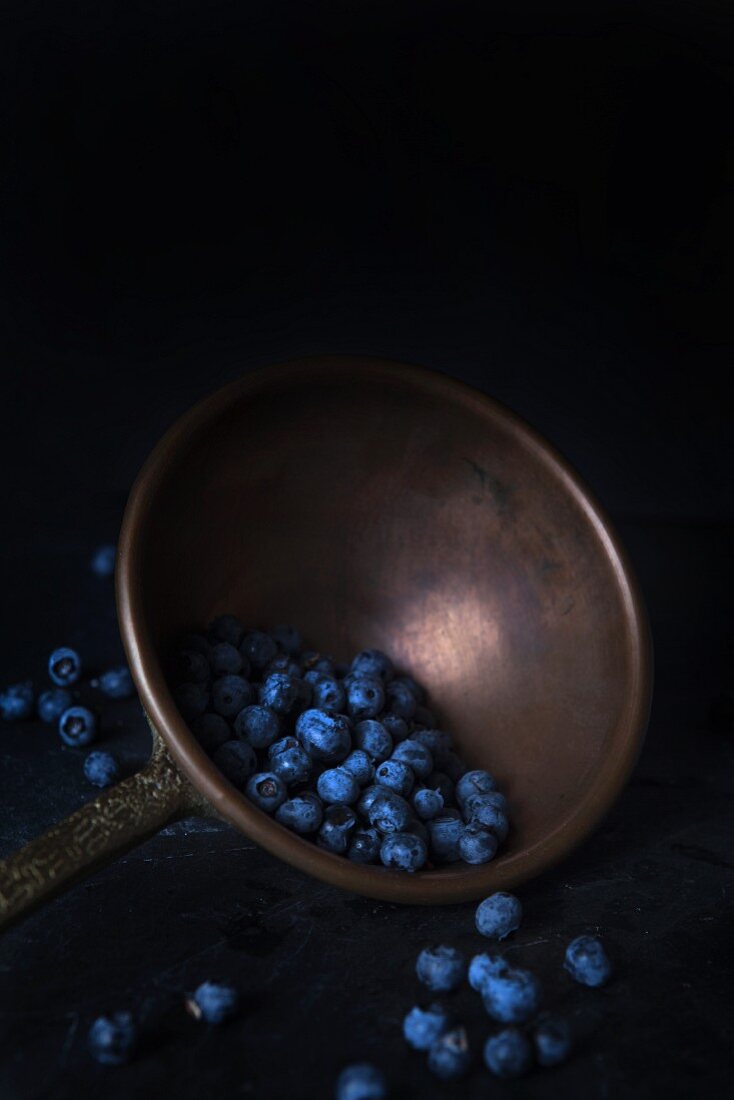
77 727
511 995
64 666
450 1057
498 915
16 701
101 769
112 1039
52 704
422 1026
552 1038
508 1053
362 1081
213 1002
103 561
441 968
587 961
117 683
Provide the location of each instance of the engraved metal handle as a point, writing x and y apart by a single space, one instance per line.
111 823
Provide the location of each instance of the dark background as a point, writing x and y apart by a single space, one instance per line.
535 199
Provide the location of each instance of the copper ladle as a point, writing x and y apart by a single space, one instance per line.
376 504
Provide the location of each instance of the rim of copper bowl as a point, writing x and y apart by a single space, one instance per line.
449 884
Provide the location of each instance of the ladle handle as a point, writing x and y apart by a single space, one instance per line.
111 823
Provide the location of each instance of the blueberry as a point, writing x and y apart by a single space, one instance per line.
324 736
101 769
112 1039
413 687
477 844
266 790
16 701
416 756
404 851
192 667
337 785
325 665
211 731
361 1081
389 812
373 738
445 833
302 813
283 663
437 742
64 666
213 1002
424 717
258 648
191 699
479 810
77 726
103 561
498 915
422 1026
395 726
367 797
365 846
552 1039
52 703
439 781
483 967
290 761
236 761
365 697
373 663
400 700
226 660
449 1057
288 638
360 765
117 683
427 803
587 961
226 628
441 968
257 724
230 695
508 1053
395 777
511 995
337 829
474 782
328 694
280 692
490 798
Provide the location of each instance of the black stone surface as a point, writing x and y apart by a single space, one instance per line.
536 203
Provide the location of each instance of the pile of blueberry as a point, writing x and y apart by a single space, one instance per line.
349 755
511 997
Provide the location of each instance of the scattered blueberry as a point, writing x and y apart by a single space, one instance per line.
236 761
51 704
213 1002
266 790
302 813
422 1026
587 961
511 995
498 915
450 1057
483 967
257 724
552 1039
337 829
16 701
77 726
112 1039
441 968
362 1081
508 1053
64 666
117 683
404 851
427 803
103 561
101 769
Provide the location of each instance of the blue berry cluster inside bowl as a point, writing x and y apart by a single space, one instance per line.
348 755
